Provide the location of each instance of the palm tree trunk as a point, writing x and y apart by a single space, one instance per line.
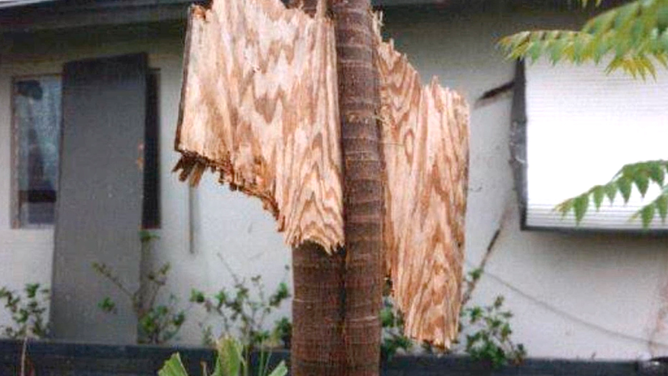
362 183
317 345
338 298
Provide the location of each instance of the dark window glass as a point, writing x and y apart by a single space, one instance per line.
151 203
36 116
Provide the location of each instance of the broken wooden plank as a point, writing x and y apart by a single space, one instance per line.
426 145
259 105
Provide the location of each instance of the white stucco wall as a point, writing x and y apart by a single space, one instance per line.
573 295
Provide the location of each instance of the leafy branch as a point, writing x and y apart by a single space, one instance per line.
158 323
243 311
635 34
641 175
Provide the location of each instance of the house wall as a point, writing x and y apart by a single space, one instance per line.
202 230
573 295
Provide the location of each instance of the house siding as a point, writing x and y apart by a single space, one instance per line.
573 295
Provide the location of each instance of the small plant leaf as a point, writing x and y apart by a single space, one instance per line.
565 207
475 274
624 186
662 206
386 317
107 305
173 367
280 370
599 194
657 173
197 296
230 353
580 205
611 192
647 214
31 290
642 181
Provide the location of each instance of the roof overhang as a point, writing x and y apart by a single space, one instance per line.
33 15
4 4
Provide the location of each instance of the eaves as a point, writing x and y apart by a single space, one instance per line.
33 15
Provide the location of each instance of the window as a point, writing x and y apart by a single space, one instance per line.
575 127
151 202
36 121
36 106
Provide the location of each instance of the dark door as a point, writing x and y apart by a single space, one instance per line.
99 205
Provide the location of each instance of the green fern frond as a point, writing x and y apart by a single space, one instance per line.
641 175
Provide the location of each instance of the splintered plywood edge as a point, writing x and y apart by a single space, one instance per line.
426 146
259 105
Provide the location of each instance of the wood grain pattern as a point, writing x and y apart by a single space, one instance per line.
426 146
259 105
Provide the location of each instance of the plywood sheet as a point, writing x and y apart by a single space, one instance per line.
260 106
425 145
99 206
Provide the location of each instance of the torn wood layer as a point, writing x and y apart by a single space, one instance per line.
259 105
426 145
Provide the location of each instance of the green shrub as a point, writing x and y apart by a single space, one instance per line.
157 323
487 328
393 339
489 335
27 310
243 310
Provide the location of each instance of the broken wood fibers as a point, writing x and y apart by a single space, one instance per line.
259 105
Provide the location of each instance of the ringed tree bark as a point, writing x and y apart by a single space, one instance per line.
336 307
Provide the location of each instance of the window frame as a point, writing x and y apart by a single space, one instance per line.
14 201
518 144
14 147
